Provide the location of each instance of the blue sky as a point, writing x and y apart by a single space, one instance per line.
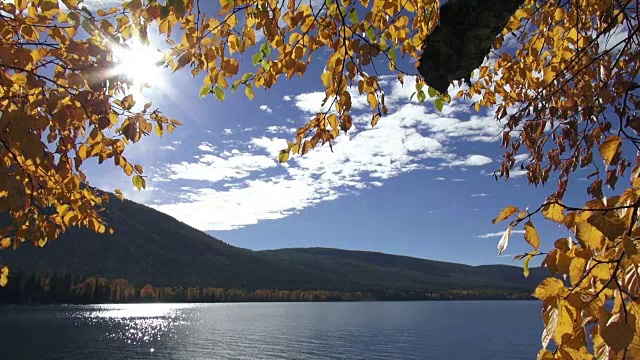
417 184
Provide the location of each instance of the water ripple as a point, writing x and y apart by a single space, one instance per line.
419 330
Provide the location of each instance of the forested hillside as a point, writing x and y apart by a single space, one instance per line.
149 247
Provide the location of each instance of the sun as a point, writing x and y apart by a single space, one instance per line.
140 63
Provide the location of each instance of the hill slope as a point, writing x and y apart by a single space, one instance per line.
375 270
151 247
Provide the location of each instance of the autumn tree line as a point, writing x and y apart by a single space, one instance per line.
68 288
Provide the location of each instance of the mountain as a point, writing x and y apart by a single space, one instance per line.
374 270
151 247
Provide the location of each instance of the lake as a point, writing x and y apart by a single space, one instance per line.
341 330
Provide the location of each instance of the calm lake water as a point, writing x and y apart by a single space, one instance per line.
363 330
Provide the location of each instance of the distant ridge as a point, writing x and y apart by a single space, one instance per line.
151 247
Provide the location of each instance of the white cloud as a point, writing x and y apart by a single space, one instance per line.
458 180
157 178
521 157
311 102
441 126
248 185
499 234
271 145
479 195
213 168
281 129
287 98
167 147
177 142
440 179
472 160
357 162
206 147
517 173
228 131
266 109
233 208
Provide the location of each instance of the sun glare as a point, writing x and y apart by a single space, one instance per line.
142 64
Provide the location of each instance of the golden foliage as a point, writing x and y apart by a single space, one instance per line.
62 106
505 213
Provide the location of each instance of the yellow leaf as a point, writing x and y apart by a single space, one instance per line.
617 335
63 209
230 66
609 148
576 269
138 168
69 218
326 78
525 264
4 276
373 100
549 288
82 151
570 220
589 236
611 226
553 212
549 74
558 16
523 13
19 79
505 213
127 102
531 235
545 354
550 319
630 246
601 272
128 169
159 130
139 182
565 323
283 156
633 350
333 122
5 243
249 92
183 60
374 119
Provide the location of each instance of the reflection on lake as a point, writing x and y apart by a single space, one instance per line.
135 324
361 330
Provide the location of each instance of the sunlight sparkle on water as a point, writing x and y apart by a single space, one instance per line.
136 323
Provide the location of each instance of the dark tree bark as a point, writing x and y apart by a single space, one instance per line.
462 39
